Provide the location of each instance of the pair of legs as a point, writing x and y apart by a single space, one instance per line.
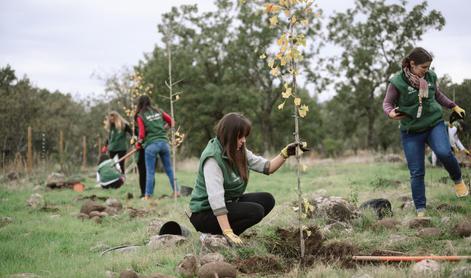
162 149
243 213
414 149
141 168
120 154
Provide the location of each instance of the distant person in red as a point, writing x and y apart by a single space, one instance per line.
152 124
117 142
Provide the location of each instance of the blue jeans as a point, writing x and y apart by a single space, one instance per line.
162 149
414 149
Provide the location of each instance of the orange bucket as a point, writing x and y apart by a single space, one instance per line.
78 187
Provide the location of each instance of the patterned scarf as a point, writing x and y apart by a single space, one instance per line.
418 83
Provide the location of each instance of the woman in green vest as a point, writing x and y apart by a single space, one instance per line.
117 142
218 202
414 98
152 124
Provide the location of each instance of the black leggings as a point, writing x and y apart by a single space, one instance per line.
243 213
120 154
141 168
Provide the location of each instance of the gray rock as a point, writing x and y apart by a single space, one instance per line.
214 242
36 201
334 208
426 267
122 249
112 202
55 180
211 257
154 226
161 241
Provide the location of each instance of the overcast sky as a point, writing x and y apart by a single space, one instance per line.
63 44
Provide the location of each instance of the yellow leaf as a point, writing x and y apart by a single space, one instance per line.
305 22
273 20
303 110
293 19
283 61
272 8
270 62
297 101
283 2
263 56
275 71
280 107
287 93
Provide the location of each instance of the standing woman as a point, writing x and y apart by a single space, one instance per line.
218 202
117 143
152 123
413 97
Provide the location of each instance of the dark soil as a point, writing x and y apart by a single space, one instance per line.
265 265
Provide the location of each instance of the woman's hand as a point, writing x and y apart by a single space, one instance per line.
395 115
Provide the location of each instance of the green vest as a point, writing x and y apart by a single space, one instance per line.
234 185
117 140
409 103
154 124
108 172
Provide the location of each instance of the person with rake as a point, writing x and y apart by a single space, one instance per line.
219 204
117 143
414 98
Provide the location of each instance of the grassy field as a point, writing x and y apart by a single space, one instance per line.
55 243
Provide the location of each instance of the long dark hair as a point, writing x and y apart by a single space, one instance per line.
228 130
144 104
419 55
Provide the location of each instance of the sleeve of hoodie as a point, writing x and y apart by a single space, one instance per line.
214 180
258 163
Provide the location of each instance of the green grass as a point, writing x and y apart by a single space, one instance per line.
57 244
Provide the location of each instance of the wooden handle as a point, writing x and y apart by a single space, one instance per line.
127 155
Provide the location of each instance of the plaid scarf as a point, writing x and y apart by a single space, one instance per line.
418 83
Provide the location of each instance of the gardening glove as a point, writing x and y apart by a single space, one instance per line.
233 239
104 149
290 149
467 152
458 110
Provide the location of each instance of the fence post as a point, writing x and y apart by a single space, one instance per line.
61 149
29 157
84 152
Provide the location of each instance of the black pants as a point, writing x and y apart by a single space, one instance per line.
120 154
243 213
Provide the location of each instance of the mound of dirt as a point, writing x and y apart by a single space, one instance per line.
463 229
286 242
90 206
258 264
338 251
217 269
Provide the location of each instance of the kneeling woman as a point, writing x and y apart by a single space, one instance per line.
218 203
